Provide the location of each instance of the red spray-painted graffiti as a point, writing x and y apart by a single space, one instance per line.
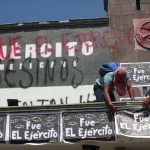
100 39
69 41
12 44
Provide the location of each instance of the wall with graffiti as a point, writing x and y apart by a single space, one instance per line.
48 66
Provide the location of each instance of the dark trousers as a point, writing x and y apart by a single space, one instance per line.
99 94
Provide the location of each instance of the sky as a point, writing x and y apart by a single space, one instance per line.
21 11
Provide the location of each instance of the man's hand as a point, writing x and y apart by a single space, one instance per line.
146 102
111 107
130 90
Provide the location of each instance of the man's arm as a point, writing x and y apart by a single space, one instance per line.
107 97
130 90
146 101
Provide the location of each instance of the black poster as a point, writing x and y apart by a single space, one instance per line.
139 72
88 125
133 124
2 128
35 128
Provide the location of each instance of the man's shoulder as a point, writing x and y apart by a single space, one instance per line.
108 77
109 74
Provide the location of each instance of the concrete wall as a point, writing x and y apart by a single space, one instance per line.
127 17
129 26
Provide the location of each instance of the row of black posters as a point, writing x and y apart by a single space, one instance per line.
74 126
56 127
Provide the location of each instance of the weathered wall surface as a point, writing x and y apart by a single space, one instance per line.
52 65
130 21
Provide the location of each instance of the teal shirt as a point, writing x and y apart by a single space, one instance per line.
108 78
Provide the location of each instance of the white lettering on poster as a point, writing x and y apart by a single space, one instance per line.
139 75
32 126
34 131
138 123
88 128
15 135
92 132
69 132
